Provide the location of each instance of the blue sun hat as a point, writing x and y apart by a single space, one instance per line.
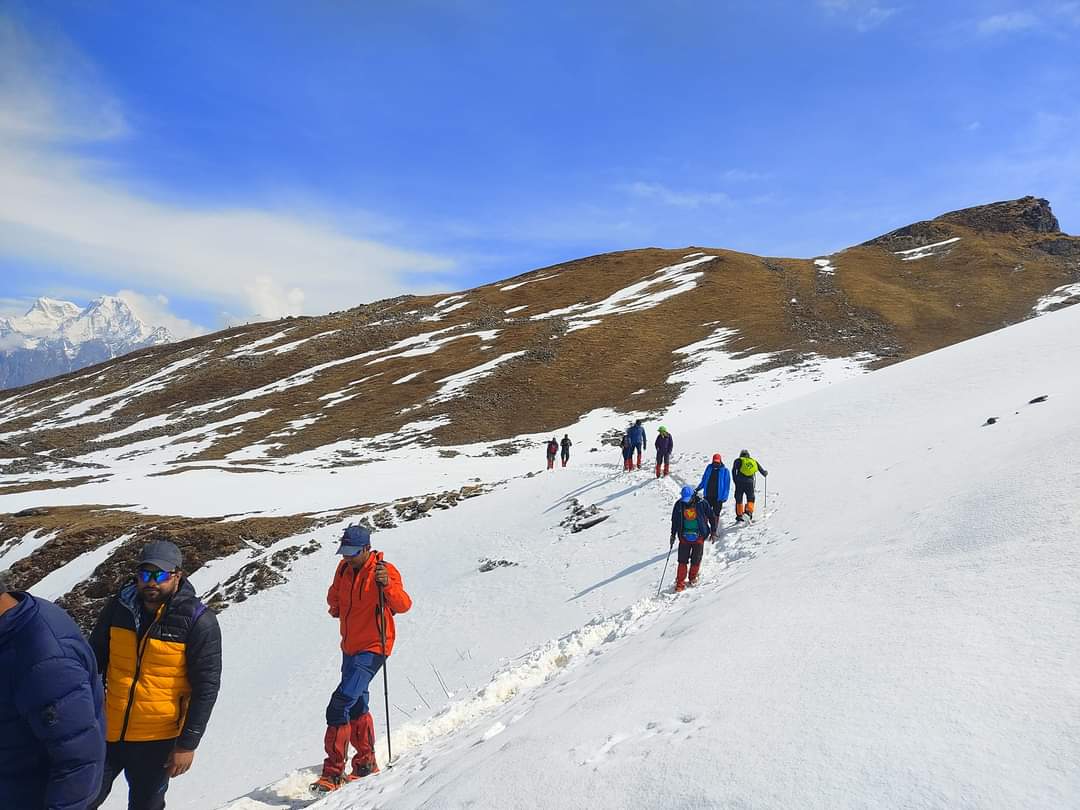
687 494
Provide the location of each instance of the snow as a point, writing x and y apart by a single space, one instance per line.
248 348
1060 295
407 378
13 551
665 283
891 636
512 310
432 346
150 423
456 383
888 633
76 414
288 347
448 300
926 250
454 307
57 583
824 267
516 284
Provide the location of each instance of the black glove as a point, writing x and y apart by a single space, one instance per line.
672 543
764 474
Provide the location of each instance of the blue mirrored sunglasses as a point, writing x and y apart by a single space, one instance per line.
154 576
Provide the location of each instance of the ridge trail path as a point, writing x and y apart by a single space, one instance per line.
478 716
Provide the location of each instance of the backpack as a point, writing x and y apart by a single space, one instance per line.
747 467
552 448
692 521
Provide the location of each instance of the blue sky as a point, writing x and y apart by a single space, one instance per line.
218 161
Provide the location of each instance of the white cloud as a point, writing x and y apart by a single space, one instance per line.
679 199
154 311
48 92
864 15
1007 23
59 208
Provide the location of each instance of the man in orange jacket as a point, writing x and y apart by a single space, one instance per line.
367 639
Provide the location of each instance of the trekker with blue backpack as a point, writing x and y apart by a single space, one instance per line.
691 522
716 486
742 474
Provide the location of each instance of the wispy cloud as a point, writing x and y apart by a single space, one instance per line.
64 209
154 310
863 15
678 198
1007 23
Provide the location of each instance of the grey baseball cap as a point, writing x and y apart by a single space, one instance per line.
163 555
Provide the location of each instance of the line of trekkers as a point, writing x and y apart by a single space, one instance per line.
695 519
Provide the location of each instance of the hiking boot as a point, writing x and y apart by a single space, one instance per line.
327 784
362 770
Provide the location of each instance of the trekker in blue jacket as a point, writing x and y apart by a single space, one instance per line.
637 439
52 726
716 486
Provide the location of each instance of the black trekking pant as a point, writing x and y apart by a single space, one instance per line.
143 765
716 505
690 553
744 488
565 456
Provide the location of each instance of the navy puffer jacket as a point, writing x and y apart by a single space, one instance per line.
52 726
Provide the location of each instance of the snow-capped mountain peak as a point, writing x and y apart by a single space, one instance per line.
46 317
55 337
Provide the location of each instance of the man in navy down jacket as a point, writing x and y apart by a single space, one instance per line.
52 728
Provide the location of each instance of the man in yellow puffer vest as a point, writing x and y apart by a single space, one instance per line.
159 650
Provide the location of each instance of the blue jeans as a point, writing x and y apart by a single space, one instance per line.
350 699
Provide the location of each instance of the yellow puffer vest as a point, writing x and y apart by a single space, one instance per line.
146 685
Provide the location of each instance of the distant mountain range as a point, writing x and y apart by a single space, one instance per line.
56 337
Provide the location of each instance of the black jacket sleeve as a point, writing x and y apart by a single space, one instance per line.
99 638
676 515
204 674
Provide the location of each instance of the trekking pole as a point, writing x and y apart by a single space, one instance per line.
385 680
664 573
764 495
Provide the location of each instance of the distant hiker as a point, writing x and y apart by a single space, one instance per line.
52 744
552 449
627 452
664 446
566 444
637 439
159 650
354 601
716 486
742 473
691 521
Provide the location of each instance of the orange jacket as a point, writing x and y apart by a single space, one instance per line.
354 601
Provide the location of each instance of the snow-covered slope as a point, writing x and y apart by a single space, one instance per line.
900 629
55 337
